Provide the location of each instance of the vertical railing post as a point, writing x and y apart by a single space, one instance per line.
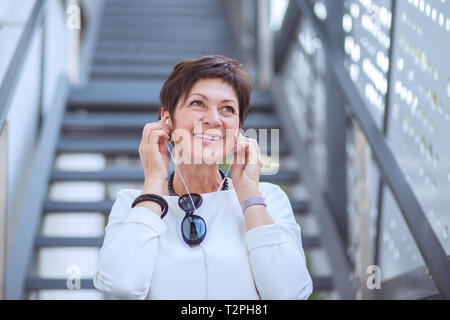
42 74
73 23
381 184
3 206
336 127
264 43
363 252
242 16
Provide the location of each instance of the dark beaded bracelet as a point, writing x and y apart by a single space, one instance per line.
153 197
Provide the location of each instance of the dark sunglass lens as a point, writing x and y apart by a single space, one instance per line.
185 201
193 229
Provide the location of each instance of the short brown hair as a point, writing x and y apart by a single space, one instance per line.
186 73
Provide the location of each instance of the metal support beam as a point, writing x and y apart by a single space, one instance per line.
286 35
336 187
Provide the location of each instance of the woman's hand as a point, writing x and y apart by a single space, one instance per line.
153 150
246 167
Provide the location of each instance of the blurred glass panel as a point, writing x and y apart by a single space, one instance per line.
419 116
367 26
398 251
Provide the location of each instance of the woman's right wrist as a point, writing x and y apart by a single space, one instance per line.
152 185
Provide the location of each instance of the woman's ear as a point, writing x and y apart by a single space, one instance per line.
167 122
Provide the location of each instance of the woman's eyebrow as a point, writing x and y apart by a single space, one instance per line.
206 98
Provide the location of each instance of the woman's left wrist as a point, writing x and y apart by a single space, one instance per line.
247 193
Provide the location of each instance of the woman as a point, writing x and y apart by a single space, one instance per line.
196 234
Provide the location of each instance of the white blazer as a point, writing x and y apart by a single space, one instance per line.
145 257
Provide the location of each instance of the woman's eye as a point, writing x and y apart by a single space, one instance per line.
230 109
197 103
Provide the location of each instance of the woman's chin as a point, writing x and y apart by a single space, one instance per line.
208 156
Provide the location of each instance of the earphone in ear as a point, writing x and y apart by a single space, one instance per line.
171 141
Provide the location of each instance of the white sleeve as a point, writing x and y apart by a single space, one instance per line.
276 254
129 250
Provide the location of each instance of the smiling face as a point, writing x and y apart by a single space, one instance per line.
207 122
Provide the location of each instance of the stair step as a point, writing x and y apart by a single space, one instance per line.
97 121
66 206
165 28
319 283
46 283
310 242
162 11
118 58
134 51
322 283
298 206
140 95
139 5
171 58
164 46
168 38
127 25
153 71
159 11
44 241
152 5
133 3
151 27
165 35
114 174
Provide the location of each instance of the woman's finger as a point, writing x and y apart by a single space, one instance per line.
155 135
240 150
253 151
153 126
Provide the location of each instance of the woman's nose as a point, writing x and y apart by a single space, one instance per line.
212 118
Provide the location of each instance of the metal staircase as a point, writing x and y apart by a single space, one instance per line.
137 45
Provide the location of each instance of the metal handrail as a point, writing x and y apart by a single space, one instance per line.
427 242
14 70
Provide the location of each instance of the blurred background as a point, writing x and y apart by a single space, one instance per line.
359 90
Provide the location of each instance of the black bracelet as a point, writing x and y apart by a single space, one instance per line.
153 197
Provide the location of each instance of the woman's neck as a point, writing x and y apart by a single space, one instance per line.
198 179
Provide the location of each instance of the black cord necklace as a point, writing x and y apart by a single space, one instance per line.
170 182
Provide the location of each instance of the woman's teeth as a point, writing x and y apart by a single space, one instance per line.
203 136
